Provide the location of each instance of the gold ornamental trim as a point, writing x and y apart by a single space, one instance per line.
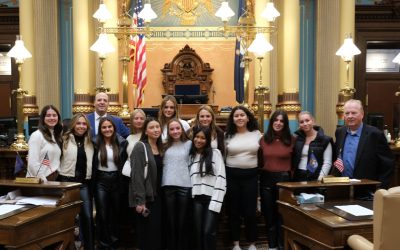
114 109
31 110
290 107
82 109
339 108
267 108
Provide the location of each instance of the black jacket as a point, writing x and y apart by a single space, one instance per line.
374 159
317 147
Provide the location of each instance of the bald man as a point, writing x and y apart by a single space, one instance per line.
363 148
101 106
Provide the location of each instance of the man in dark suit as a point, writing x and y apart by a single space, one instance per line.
363 148
101 105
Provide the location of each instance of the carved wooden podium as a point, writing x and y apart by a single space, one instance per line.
188 78
41 226
187 71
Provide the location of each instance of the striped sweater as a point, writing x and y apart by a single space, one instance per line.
210 185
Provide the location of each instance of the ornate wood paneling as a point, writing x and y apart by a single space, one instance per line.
9 28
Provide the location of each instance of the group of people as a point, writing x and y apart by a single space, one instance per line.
179 174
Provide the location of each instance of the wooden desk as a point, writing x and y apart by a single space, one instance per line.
41 226
308 226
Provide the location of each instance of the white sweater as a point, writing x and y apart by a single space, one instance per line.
38 148
175 165
69 158
210 185
241 150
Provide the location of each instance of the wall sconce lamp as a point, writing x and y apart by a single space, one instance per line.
347 51
248 33
123 31
19 53
102 46
259 47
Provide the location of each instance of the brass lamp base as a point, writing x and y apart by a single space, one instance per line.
20 143
397 143
124 112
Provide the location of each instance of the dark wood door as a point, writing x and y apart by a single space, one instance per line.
382 100
9 28
377 27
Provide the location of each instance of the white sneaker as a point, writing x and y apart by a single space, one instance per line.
236 247
273 248
252 247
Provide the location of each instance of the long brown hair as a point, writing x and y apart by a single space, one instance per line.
285 135
231 128
101 144
57 128
72 125
144 137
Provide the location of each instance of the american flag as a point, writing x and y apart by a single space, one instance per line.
339 164
140 74
46 160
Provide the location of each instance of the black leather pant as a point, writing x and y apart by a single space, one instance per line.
107 198
205 224
86 226
269 196
177 203
86 217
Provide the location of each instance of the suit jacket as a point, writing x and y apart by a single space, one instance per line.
122 130
374 159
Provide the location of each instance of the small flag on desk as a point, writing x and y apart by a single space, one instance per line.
312 163
46 160
19 164
339 164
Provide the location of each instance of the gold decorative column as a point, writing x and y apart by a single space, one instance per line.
30 107
47 52
327 65
262 107
288 58
83 66
347 26
124 21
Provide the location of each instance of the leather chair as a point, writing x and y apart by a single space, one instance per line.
385 223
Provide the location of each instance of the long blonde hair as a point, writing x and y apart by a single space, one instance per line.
71 128
132 116
213 125
161 118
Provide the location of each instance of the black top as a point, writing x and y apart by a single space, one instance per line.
80 169
159 164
